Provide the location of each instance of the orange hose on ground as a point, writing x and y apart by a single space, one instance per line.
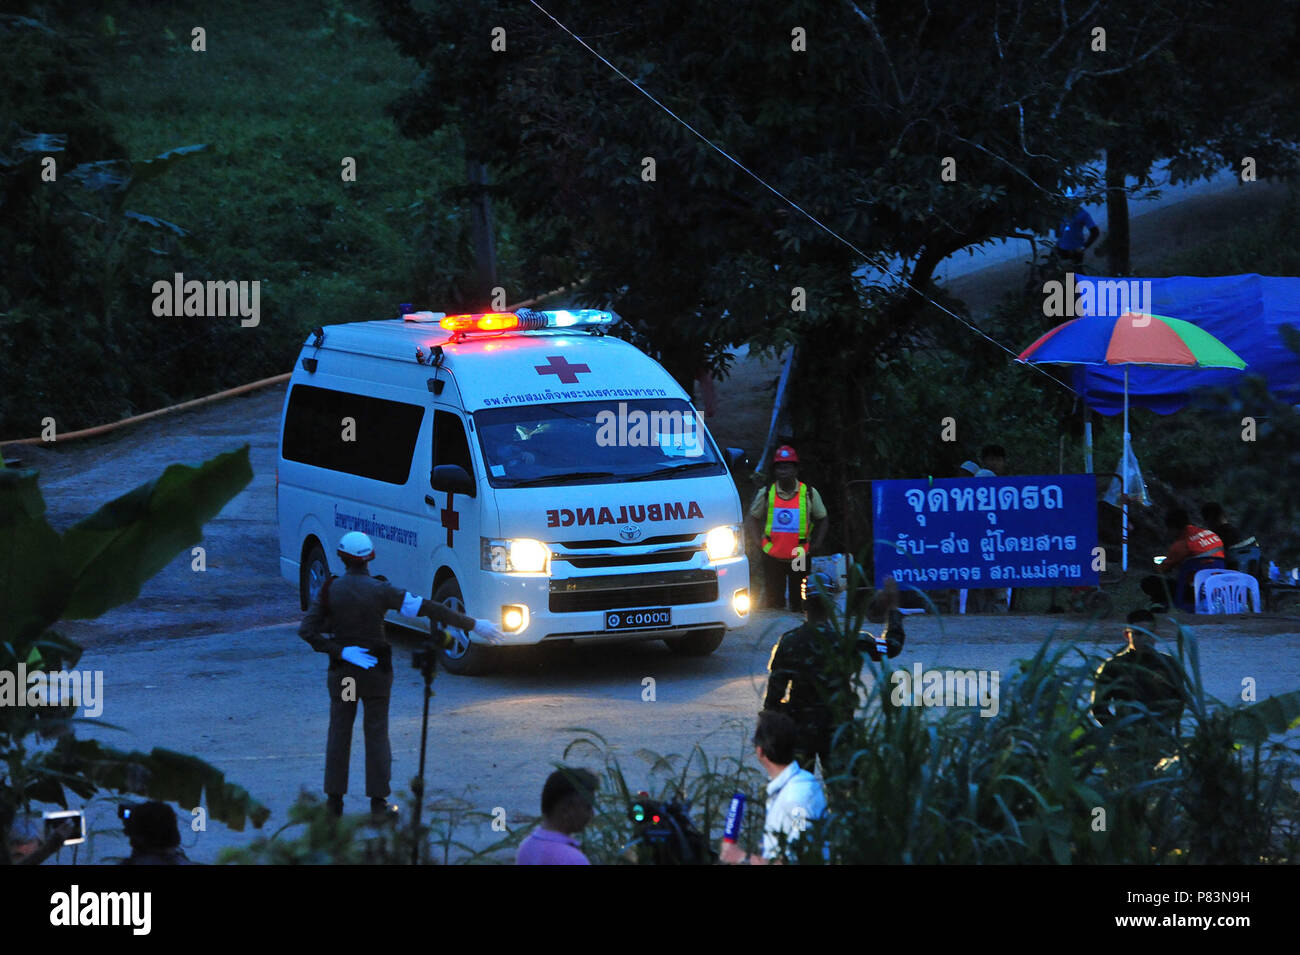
229 393
195 402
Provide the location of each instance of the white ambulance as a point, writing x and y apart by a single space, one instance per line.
520 466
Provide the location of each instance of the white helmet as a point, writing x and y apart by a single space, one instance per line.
356 546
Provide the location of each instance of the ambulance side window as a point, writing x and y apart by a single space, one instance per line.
450 446
356 434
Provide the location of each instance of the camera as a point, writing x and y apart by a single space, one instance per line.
425 656
663 833
55 819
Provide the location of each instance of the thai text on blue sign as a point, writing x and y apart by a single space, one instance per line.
986 532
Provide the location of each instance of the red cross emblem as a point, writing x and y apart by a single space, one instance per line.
450 519
556 365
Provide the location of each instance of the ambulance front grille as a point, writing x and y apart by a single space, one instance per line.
624 591
632 560
662 539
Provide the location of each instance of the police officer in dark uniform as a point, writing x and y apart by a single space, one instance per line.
811 670
352 607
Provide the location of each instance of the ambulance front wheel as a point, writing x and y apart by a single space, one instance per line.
462 657
699 643
312 574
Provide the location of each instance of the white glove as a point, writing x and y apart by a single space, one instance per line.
359 657
489 631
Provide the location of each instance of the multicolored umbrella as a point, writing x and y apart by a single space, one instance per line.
1130 339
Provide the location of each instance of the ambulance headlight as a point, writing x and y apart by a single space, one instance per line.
722 542
514 617
740 602
517 556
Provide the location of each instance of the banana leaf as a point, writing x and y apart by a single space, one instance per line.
1272 716
32 586
86 766
109 555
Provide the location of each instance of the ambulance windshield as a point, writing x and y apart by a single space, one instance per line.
594 442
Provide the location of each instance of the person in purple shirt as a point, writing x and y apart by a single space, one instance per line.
568 805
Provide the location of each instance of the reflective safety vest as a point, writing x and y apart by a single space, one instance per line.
1204 543
787 523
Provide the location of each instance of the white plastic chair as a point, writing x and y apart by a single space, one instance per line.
1229 592
1199 583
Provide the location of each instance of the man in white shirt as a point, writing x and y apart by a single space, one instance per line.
794 796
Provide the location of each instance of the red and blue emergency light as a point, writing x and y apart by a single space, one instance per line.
527 320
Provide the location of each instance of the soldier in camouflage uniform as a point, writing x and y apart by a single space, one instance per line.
811 672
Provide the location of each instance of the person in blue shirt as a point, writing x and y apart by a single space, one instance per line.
1076 233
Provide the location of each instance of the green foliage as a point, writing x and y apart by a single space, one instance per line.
1039 781
80 266
703 255
313 837
1025 784
323 840
320 839
854 131
98 563
266 202
1193 106
705 785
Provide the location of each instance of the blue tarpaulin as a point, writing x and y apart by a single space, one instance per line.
1245 312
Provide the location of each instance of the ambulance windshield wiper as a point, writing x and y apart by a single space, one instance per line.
673 469
561 478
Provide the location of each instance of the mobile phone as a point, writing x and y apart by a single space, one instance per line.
57 818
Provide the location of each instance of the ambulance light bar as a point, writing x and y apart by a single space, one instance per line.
527 319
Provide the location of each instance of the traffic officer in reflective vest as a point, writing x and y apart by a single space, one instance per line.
352 607
789 513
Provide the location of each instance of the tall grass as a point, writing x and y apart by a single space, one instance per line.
1038 782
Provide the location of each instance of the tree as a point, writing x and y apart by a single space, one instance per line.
73 292
907 132
1216 85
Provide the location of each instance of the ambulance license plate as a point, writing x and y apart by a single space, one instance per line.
638 619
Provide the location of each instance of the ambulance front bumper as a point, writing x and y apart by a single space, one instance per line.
616 607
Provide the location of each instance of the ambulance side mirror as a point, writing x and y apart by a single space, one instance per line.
453 478
735 458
